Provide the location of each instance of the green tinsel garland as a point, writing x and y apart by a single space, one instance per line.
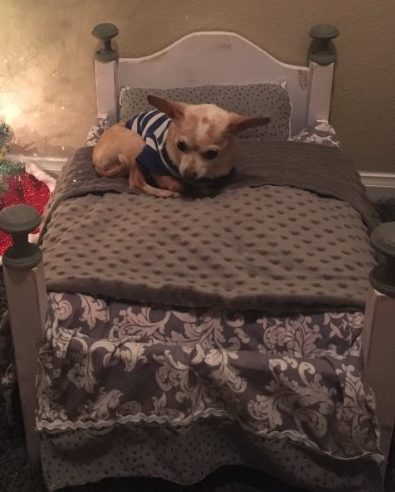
7 167
10 168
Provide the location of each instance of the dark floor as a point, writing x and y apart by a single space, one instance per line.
15 474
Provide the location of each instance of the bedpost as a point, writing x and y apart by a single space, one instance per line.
322 57
106 69
379 331
27 306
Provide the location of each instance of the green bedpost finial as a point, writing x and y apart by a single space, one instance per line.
105 32
322 50
19 220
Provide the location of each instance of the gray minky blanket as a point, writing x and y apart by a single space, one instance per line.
289 229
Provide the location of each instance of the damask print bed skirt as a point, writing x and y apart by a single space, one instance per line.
106 364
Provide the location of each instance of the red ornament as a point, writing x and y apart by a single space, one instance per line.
23 188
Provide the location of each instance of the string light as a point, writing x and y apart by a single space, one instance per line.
9 109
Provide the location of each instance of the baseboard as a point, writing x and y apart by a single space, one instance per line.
51 165
379 185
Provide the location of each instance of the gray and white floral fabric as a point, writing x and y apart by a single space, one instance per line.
96 131
321 133
105 364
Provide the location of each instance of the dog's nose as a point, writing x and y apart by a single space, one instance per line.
190 174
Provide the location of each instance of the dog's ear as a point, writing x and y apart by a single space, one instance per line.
239 122
173 109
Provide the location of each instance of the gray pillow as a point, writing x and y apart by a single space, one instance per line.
254 100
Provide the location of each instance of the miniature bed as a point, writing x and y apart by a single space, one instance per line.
178 336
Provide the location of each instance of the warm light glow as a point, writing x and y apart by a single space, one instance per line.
9 109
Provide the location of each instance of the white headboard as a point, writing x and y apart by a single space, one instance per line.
219 58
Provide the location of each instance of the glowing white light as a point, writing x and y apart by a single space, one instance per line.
9 110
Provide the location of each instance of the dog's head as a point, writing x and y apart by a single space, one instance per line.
201 138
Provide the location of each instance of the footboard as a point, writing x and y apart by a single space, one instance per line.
27 306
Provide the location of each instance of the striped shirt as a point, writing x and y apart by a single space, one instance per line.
153 126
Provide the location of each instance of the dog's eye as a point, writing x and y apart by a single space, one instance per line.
210 154
182 146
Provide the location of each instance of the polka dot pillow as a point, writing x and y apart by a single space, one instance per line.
254 100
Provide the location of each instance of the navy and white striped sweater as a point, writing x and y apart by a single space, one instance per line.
153 127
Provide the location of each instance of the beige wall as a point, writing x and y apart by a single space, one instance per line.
46 68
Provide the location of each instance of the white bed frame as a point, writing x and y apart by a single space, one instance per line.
197 59
212 55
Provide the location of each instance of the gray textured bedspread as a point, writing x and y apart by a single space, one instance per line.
274 236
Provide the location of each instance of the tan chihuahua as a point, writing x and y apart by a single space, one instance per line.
177 144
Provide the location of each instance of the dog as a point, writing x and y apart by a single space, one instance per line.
175 145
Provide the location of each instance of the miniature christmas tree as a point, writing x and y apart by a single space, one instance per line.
16 185
7 167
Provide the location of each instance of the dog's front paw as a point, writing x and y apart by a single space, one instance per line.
167 193
169 183
159 192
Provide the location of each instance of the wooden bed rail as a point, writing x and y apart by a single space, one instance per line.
379 331
106 73
27 307
322 58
